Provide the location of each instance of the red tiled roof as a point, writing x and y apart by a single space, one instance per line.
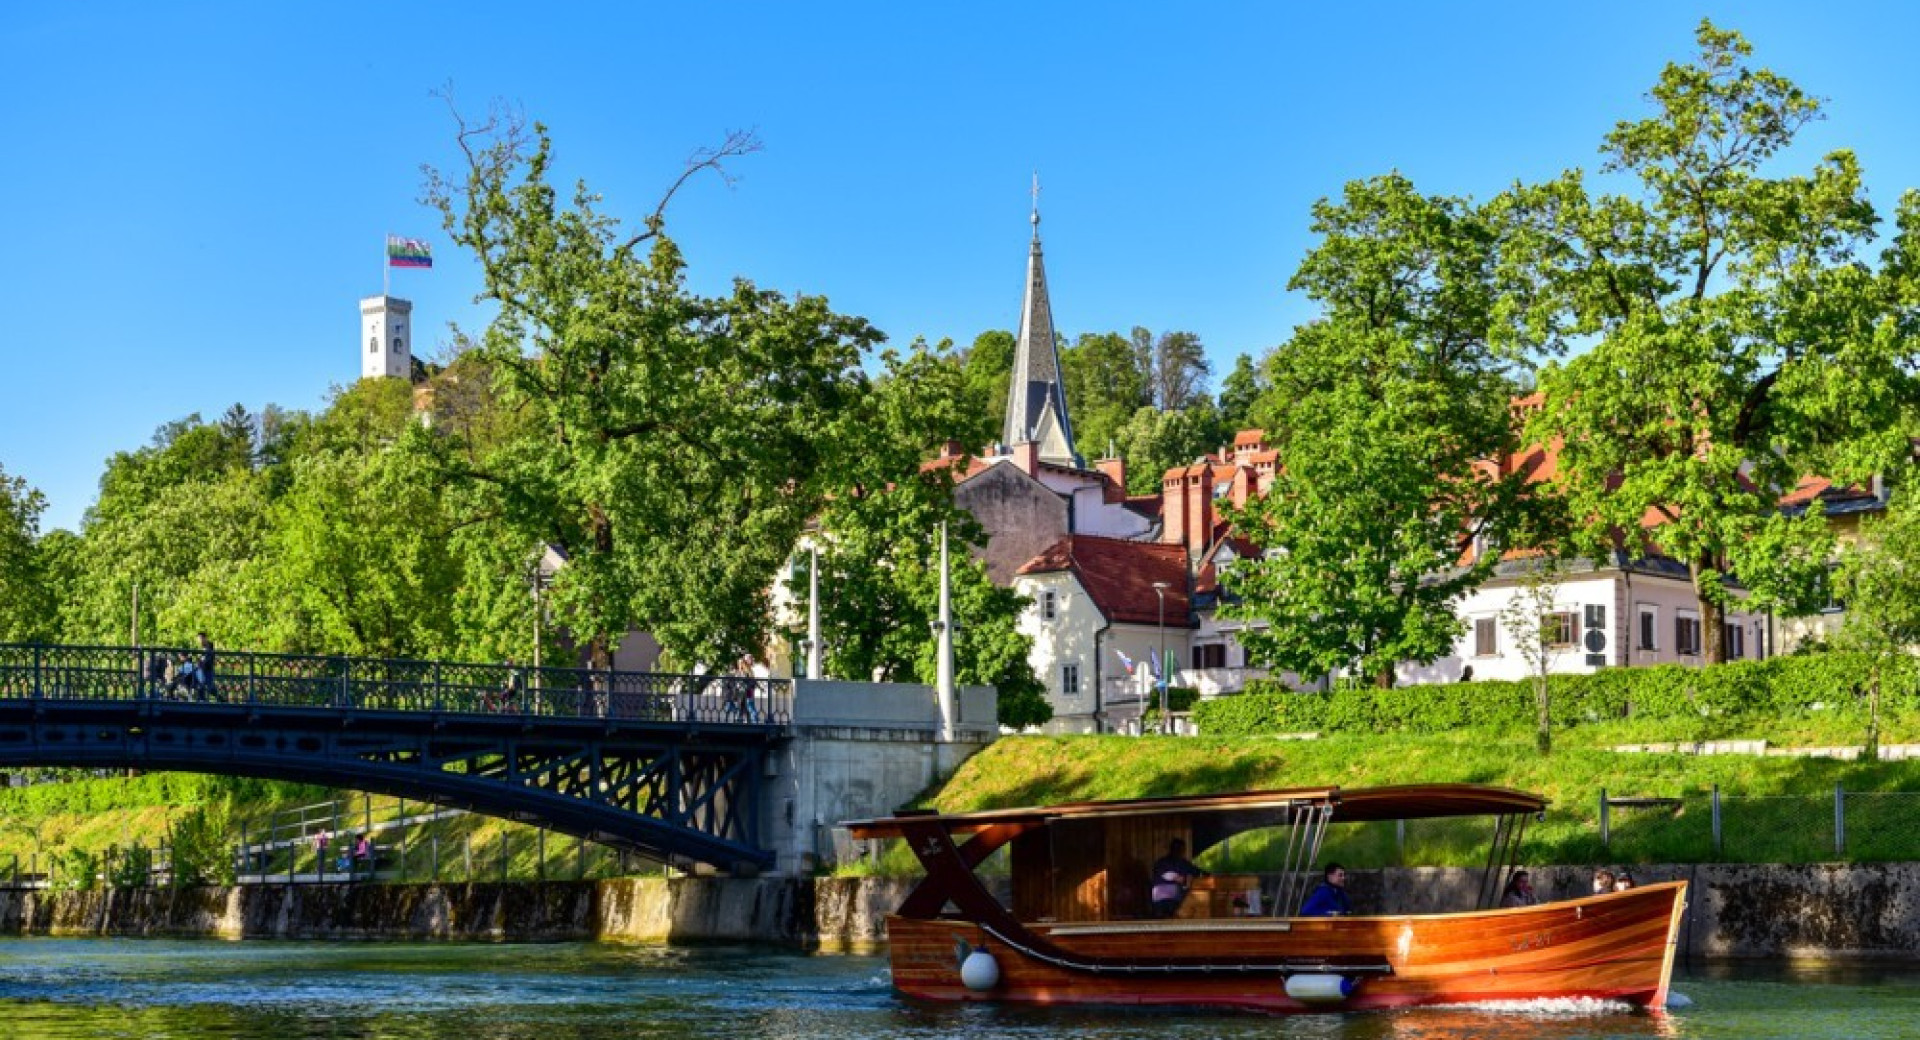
1248 438
1119 575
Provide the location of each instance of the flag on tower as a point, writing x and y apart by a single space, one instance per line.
408 252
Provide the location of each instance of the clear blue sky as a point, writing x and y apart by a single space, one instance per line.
195 195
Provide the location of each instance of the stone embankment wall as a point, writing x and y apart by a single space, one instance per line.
830 913
1820 911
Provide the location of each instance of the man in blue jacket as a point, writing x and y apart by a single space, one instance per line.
1329 899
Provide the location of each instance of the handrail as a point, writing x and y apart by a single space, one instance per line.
357 684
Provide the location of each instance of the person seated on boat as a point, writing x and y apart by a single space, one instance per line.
1519 891
1622 881
1602 881
1329 898
1172 873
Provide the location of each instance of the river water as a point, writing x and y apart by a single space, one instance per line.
58 988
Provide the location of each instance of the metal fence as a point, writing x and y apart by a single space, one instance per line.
382 684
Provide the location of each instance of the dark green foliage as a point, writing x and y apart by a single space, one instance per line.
202 845
1692 703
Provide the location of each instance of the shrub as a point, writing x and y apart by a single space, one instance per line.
1696 701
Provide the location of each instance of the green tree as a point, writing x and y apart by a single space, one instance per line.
180 519
989 367
1179 371
1736 341
1879 580
1386 408
675 445
27 608
1239 393
1105 386
1154 441
879 552
1532 617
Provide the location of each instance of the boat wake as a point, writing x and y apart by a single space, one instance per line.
1549 1007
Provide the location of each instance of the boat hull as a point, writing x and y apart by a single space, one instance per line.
1612 947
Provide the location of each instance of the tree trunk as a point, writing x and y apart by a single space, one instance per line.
1383 680
1873 717
600 527
1543 737
1713 643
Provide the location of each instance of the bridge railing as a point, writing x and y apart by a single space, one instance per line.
100 673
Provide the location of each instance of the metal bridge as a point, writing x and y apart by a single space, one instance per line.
667 766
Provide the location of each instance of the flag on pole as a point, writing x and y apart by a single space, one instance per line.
408 252
1124 659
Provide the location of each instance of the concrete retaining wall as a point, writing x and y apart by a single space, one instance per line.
1869 911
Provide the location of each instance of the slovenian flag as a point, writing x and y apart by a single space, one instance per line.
408 252
1124 659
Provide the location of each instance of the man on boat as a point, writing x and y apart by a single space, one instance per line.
1172 873
1329 899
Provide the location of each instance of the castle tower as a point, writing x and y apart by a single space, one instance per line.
386 332
1036 396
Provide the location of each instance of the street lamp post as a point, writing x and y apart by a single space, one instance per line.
1160 591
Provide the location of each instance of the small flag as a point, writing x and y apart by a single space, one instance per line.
1124 659
408 252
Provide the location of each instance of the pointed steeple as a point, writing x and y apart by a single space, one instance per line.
1036 396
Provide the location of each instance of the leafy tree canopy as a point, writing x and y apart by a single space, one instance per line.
1738 341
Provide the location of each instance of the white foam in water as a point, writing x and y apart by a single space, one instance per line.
1550 1007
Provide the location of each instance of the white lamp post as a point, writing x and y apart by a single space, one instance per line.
1160 591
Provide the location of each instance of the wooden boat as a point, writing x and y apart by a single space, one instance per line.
1078 929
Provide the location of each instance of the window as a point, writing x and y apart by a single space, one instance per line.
396 344
1048 607
1069 679
1649 628
1828 591
1486 637
1560 628
1686 635
373 344
1210 656
1735 637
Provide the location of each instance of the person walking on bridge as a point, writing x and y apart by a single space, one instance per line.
206 666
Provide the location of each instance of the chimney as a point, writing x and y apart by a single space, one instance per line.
1026 455
1116 471
1173 506
1199 507
952 450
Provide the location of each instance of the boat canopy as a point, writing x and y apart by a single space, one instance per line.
1234 812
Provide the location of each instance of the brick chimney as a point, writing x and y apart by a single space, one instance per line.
1116 471
1199 507
1173 508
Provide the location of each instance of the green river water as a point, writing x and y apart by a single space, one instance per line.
59 988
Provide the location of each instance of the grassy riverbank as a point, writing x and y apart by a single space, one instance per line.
1773 809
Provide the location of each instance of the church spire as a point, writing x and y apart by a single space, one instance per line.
1036 396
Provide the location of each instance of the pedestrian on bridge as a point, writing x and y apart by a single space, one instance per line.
206 665
159 674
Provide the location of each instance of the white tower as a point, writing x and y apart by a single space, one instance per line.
386 337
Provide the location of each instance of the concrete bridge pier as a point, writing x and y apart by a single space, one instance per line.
859 750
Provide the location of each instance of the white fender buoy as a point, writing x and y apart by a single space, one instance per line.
1319 989
980 972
